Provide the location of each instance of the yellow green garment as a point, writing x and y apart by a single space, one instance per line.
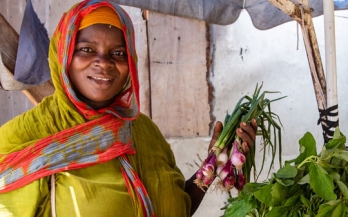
100 190
97 189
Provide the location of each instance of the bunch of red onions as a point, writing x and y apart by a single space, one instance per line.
226 160
226 165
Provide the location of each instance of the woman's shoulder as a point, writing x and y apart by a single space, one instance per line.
149 141
145 129
144 122
39 122
22 129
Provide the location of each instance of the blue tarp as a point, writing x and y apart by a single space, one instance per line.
31 61
264 14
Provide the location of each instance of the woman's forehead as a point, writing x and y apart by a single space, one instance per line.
99 32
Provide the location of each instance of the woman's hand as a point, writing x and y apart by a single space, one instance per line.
246 132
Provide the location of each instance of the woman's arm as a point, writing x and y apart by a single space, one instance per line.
196 194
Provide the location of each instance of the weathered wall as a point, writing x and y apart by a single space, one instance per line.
179 90
177 71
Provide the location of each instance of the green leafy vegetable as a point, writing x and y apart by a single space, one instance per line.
311 185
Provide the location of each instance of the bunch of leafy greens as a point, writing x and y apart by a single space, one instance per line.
310 185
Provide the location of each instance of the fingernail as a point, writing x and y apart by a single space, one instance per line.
244 124
240 130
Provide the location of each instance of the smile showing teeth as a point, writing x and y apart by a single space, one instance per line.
101 79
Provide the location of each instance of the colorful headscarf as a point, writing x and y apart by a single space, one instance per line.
101 15
62 132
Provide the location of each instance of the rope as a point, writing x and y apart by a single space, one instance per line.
327 125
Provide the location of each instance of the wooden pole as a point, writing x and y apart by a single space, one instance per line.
8 50
330 59
302 14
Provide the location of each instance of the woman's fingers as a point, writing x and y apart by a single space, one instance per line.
245 148
216 134
246 132
253 124
248 135
249 130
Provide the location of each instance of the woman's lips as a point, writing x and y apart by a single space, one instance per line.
101 80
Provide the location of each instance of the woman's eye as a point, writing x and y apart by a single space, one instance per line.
85 49
119 53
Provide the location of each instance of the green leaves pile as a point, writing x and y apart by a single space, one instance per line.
310 185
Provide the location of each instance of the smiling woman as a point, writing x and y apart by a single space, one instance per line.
99 66
87 150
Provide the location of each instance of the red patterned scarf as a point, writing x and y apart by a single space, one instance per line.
102 134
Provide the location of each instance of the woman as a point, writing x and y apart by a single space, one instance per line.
87 150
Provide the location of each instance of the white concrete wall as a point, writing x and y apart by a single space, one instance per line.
269 56
272 57
277 58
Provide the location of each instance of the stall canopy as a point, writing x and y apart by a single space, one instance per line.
263 14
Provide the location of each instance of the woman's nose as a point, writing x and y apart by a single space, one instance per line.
104 61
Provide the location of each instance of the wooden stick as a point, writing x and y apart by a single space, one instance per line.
8 44
330 57
302 14
304 18
314 60
289 8
8 47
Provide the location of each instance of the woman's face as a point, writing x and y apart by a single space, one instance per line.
99 66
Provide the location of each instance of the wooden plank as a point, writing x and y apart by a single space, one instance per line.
289 8
56 10
8 46
7 81
16 103
140 31
37 93
6 113
143 66
178 70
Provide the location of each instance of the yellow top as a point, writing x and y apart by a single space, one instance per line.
100 190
